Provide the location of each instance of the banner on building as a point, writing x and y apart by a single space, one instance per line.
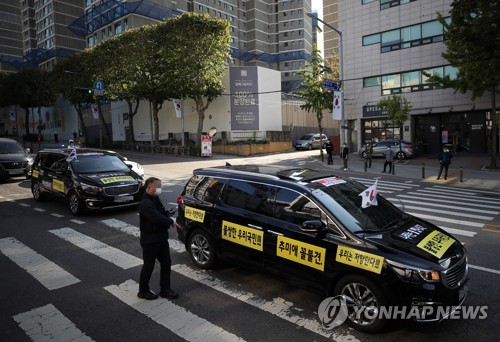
337 105
244 98
178 108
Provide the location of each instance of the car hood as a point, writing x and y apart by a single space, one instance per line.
423 243
110 178
13 157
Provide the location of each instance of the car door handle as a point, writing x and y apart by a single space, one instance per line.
254 226
274 233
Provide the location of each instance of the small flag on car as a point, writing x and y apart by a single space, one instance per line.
72 155
369 196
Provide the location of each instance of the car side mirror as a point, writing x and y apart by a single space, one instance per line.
312 226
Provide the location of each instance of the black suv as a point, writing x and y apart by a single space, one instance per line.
308 227
14 160
86 178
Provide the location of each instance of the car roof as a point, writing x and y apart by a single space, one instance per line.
7 140
67 151
278 174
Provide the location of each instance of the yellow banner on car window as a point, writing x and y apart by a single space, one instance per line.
436 243
194 214
116 179
301 252
245 236
366 261
58 185
34 173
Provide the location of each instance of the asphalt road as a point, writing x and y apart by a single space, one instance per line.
94 264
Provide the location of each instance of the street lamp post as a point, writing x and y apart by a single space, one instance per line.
341 73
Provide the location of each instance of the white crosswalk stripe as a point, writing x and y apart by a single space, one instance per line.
111 254
386 187
124 227
49 324
175 318
45 271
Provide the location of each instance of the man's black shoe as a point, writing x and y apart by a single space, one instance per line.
169 294
150 295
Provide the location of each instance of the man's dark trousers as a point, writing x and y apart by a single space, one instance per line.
151 252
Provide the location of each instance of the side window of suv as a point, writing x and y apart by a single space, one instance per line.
205 189
295 208
250 196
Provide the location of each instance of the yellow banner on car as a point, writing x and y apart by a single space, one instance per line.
242 235
366 261
436 243
34 173
58 185
301 252
116 179
194 214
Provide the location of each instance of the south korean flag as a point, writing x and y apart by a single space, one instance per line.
369 196
72 155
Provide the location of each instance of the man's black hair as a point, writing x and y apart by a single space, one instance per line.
149 181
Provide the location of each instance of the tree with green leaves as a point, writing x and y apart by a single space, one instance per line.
397 109
316 97
196 47
473 45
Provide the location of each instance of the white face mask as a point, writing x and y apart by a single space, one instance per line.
157 191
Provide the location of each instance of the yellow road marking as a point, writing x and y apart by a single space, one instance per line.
492 231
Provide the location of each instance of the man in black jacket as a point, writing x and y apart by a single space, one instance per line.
154 224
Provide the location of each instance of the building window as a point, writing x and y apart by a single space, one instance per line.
385 4
364 2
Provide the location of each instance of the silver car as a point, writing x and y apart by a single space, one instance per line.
310 141
407 149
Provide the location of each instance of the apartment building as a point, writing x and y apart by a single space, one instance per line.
387 45
11 47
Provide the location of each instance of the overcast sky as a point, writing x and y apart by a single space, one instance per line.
317 6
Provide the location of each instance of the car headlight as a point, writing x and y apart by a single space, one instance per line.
92 189
30 161
414 274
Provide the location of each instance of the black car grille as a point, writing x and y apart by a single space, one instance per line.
455 275
121 190
14 165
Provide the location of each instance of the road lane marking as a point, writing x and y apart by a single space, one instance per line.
57 215
447 199
39 209
491 231
278 306
46 323
124 227
77 221
447 220
446 212
475 191
457 196
462 232
453 207
173 317
397 184
24 205
480 268
102 250
46 272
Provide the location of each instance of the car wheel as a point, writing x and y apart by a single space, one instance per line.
201 249
36 191
363 154
75 204
364 300
310 147
400 155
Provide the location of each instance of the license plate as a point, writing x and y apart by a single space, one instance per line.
124 198
16 172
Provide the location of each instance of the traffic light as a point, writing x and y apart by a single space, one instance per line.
90 91
85 90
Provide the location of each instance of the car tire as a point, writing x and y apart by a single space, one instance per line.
75 204
310 147
400 155
201 249
360 294
37 192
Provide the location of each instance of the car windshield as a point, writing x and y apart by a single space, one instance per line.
344 202
98 163
8 148
306 137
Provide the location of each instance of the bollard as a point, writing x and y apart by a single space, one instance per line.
423 170
366 164
461 174
393 167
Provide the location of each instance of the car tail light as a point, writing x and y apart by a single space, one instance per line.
410 147
179 200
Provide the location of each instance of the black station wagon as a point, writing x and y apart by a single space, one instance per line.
87 179
308 227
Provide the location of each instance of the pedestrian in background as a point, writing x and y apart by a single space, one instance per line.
56 137
154 222
344 154
389 158
369 154
444 162
329 151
